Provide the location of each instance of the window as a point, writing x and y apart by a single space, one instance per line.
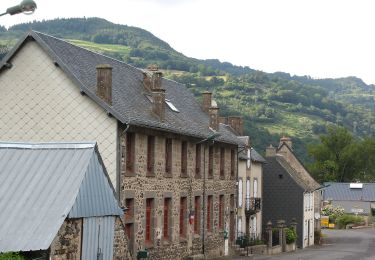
184 159
221 211
198 160
255 188
183 209
149 215
211 162
167 211
130 145
129 213
197 217
129 231
240 183
222 163
168 156
248 163
248 188
150 155
231 201
209 212
171 106
232 163
239 226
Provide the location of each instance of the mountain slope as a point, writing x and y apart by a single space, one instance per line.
271 103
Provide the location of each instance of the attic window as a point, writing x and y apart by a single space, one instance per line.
171 106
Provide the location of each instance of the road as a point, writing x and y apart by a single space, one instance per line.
338 244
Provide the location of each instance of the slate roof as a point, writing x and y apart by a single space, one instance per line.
342 191
129 102
256 157
42 183
278 165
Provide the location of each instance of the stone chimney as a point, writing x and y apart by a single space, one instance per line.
104 82
286 140
214 117
158 105
207 99
236 122
152 78
270 151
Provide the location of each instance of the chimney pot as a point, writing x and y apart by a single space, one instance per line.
104 82
152 78
286 140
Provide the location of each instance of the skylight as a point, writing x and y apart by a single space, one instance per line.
171 106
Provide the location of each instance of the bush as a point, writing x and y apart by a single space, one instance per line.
11 256
290 235
346 219
332 212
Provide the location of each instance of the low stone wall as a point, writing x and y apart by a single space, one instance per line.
274 250
258 249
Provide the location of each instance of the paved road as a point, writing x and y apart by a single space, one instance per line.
338 244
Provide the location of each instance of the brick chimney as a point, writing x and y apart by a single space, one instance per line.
158 105
104 82
286 140
236 122
213 112
207 99
152 78
270 151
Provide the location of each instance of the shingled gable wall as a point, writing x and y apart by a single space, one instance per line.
139 187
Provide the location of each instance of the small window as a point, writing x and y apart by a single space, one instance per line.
171 106
280 176
129 213
232 162
211 162
209 212
221 211
150 155
222 162
183 210
197 217
198 160
168 156
149 222
184 159
167 216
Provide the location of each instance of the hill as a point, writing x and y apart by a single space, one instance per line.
271 103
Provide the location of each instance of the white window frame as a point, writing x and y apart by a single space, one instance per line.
240 192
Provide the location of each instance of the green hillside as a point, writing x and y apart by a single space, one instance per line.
271 103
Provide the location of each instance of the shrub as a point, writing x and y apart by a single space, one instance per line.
346 219
332 212
11 256
290 235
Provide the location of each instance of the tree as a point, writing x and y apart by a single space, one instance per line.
336 157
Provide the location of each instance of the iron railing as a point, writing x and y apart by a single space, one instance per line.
252 205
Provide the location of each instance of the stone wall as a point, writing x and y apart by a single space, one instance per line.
67 243
140 187
120 242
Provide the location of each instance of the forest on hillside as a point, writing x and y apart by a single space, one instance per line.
272 104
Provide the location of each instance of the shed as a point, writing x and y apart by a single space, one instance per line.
43 185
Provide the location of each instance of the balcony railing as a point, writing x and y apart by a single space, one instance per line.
252 205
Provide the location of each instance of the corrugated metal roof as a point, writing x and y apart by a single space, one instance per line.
39 184
95 197
98 235
342 191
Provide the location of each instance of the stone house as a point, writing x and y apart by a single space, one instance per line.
250 190
171 161
58 203
289 192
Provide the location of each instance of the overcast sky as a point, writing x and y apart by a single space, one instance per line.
320 38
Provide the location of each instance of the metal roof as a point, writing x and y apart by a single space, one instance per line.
39 184
352 207
342 191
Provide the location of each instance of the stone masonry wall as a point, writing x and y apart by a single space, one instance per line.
140 187
67 243
120 242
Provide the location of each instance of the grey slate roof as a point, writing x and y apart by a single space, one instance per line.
342 191
40 184
129 102
278 165
256 157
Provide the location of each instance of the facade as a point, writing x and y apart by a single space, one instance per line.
171 161
250 189
67 208
355 198
289 192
